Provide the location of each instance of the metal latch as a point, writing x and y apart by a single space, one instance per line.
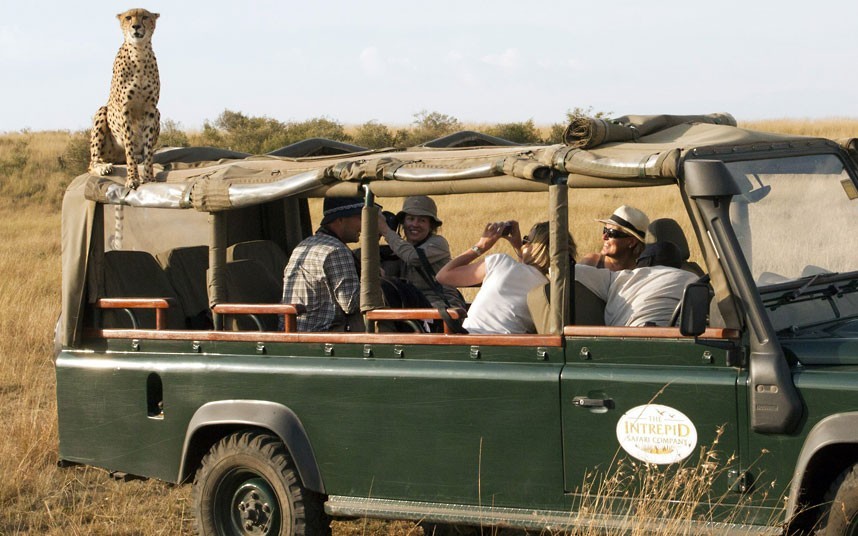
587 402
542 353
367 350
398 351
475 352
260 348
328 349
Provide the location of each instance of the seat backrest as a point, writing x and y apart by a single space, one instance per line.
186 270
265 252
669 230
248 281
589 308
136 274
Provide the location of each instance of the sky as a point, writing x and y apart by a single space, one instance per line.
491 61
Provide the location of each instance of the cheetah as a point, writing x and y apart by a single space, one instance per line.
127 128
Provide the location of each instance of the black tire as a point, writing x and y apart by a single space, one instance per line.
841 506
248 485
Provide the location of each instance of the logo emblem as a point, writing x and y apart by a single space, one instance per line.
657 434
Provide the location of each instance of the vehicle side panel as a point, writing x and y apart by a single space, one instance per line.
438 424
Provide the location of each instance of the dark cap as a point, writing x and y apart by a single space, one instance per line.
660 254
340 207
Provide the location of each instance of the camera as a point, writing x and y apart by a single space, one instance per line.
507 229
391 219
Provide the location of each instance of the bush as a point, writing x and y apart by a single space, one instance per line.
374 135
260 135
75 158
428 126
518 132
172 135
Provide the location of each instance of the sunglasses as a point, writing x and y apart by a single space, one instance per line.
614 233
525 239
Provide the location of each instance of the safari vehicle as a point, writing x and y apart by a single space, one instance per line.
177 369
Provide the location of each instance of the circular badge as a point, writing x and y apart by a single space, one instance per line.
656 434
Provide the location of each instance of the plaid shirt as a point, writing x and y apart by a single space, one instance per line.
322 275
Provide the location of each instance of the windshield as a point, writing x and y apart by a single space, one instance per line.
794 217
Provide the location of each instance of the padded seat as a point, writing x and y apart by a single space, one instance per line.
185 268
248 281
267 253
136 274
669 230
589 308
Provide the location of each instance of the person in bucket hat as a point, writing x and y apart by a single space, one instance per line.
623 235
322 274
419 223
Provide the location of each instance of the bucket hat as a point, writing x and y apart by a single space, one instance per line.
340 207
630 220
419 205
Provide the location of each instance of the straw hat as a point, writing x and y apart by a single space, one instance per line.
630 220
419 205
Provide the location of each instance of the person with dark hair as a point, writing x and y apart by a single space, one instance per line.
501 304
623 235
321 273
644 296
422 252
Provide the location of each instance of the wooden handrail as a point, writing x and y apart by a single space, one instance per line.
415 314
644 332
160 305
553 341
288 310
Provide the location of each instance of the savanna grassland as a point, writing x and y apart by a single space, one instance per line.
37 497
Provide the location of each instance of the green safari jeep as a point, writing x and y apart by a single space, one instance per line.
172 362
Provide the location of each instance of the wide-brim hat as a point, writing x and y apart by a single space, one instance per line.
630 220
340 207
419 205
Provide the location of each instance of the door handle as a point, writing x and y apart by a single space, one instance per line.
585 402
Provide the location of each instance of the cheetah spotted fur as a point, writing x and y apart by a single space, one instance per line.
127 129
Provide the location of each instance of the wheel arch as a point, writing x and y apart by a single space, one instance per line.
829 449
215 420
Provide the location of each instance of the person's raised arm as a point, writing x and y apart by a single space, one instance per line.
462 271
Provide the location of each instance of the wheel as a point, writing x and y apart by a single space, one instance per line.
248 485
841 512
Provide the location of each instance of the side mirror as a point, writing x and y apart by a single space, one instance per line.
695 309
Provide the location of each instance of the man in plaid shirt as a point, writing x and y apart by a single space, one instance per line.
322 274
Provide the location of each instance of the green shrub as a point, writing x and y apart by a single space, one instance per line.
524 132
374 135
172 135
428 126
75 157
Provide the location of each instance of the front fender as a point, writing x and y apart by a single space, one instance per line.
259 414
839 429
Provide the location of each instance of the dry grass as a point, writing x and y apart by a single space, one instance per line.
38 498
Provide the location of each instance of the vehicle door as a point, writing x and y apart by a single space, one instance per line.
647 395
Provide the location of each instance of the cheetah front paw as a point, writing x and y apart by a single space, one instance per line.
101 168
132 182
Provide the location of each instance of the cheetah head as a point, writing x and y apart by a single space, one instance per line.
137 25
